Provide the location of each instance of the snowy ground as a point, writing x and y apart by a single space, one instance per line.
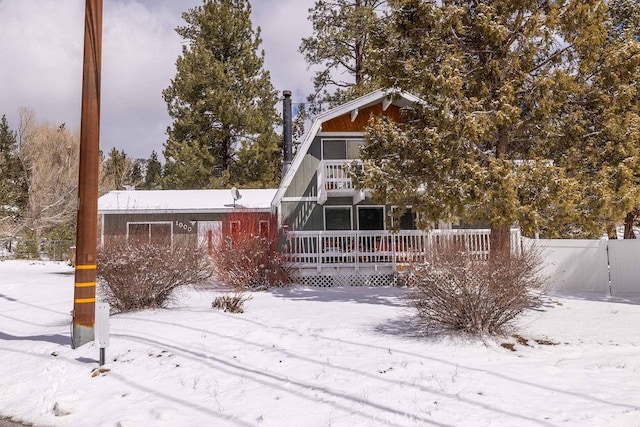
311 357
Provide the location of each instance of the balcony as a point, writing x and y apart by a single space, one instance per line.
334 181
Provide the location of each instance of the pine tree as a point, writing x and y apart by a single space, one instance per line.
135 176
153 175
13 188
116 171
221 100
340 46
624 22
624 17
529 117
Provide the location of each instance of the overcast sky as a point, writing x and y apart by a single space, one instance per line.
41 62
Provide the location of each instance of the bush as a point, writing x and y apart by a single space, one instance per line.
459 293
145 275
230 303
248 255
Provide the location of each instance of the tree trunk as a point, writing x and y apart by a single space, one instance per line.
500 241
628 224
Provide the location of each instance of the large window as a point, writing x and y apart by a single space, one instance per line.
337 217
341 149
370 218
149 232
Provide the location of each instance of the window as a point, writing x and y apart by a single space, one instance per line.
333 149
408 220
341 149
337 217
149 232
370 218
353 148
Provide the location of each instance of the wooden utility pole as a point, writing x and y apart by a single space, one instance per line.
84 298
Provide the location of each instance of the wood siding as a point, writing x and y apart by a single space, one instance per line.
344 123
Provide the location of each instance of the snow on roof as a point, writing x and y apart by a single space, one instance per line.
178 201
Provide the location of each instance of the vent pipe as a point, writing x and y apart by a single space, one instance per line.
287 138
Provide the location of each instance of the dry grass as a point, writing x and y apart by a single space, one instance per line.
230 303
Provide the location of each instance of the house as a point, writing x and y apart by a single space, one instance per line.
336 235
316 193
190 216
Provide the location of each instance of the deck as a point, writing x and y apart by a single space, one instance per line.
365 258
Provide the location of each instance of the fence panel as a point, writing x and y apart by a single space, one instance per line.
624 264
574 265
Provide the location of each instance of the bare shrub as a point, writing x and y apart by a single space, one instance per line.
231 303
246 254
135 275
457 292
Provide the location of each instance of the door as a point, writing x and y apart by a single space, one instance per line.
209 232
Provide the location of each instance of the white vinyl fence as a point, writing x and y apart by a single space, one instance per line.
624 266
603 266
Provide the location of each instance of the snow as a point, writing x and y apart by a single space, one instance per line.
311 357
192 201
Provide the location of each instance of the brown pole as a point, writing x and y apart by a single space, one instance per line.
84 297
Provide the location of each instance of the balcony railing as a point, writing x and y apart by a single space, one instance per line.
335 175
333 179
318 249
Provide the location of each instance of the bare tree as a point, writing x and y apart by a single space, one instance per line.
49 155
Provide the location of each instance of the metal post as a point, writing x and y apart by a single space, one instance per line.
86 235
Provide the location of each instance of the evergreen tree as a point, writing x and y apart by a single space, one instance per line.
530 116
119 171
625 22
135 177
343 30
221 100
13 188
624 17
153 175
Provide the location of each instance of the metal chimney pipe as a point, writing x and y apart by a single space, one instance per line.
287 138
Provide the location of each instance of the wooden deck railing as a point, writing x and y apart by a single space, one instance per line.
305 249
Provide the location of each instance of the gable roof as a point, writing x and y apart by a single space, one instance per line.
384 96
183 201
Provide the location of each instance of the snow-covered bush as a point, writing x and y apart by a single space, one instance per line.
134 276
454 291
247 255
